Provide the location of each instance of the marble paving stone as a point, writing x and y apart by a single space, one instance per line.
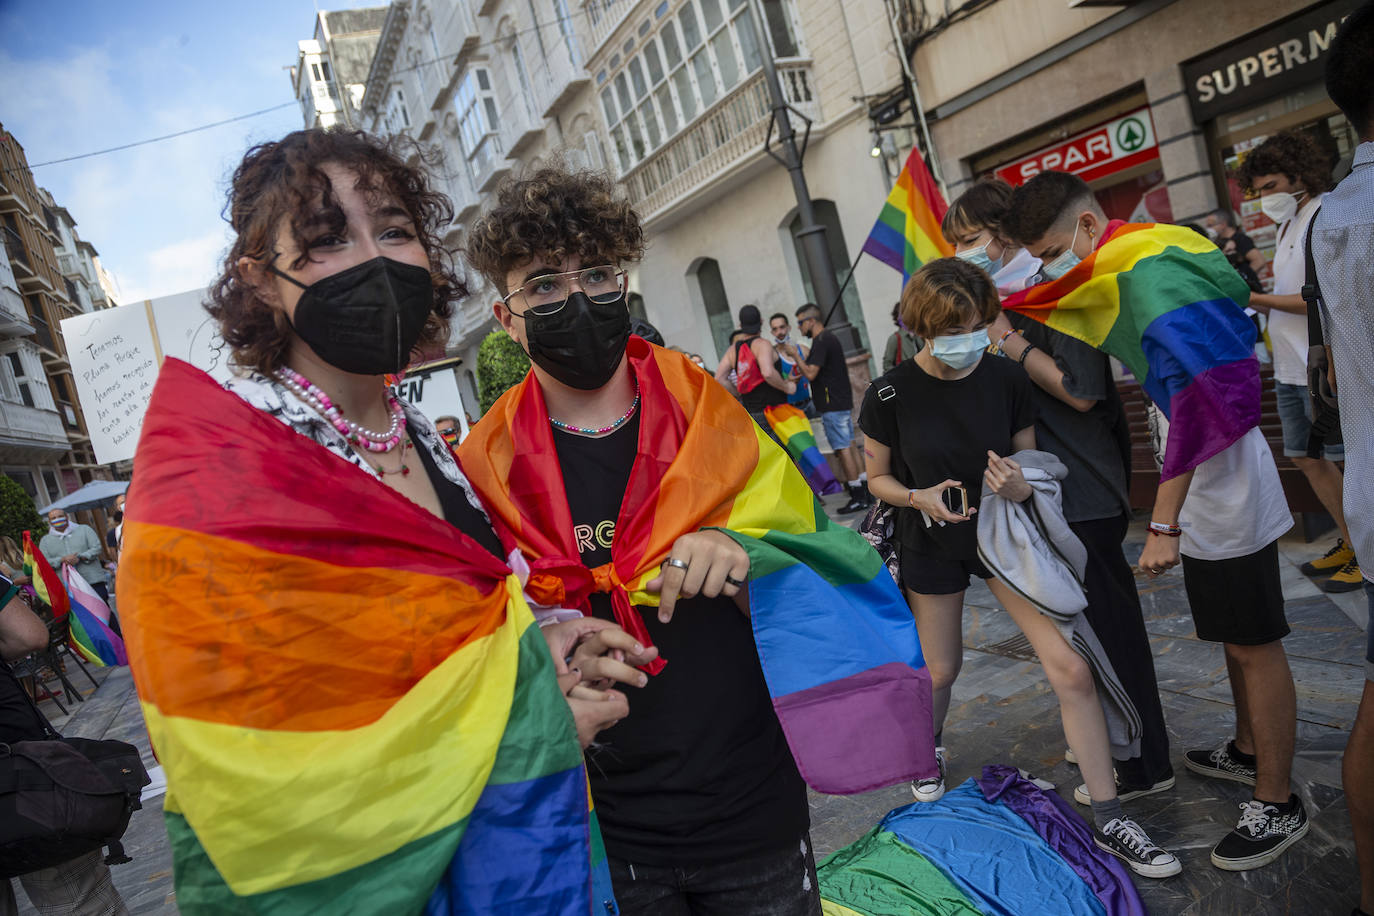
1230 901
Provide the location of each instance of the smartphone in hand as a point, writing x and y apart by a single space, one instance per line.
956 500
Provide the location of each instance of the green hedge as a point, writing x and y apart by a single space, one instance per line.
501 364
18 513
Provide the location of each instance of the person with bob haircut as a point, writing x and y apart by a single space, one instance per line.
1220 508
938 426
1082 422
341 676
621 472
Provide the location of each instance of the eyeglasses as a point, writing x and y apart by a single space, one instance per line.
547 294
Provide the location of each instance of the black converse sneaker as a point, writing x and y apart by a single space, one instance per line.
1125 793
1125 839
1220 764
933 789
1261 836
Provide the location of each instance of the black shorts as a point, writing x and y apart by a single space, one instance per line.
1239 600
931 574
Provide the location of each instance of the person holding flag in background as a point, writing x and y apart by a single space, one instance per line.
69 595
633 481
1165 301
77 545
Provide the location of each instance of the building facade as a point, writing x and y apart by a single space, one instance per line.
330 72
1153 102
47 274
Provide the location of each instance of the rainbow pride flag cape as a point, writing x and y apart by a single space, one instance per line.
1164 301
354 707
794 431
998 846
907 233
90 623
836 640
46 585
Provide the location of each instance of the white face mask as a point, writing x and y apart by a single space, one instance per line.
1280 207
1066 261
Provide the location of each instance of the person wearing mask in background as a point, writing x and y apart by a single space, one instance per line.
901 344
952 415
448 429
825 368
1220 516
753 368
1290 173
782 334
1080 420
1220 226
1343 249
78 545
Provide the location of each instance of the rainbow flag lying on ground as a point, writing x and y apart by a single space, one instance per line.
907 233
794 432
998 846
45 584
1164 301
354 707
836 640
90 623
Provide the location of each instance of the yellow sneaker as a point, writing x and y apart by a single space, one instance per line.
1346 579
1331 561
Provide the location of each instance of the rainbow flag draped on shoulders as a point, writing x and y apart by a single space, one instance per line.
907 233
836 640
1164 301
354 707
794 432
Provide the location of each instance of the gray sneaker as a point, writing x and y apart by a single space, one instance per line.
1219 764
1125 839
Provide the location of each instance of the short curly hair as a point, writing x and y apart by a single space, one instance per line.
553 213
944 294
283 179
1293 154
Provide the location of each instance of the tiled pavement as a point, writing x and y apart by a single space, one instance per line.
1003 711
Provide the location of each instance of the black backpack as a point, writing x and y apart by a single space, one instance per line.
63 797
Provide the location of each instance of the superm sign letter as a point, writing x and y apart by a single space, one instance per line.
1095 153
1264 65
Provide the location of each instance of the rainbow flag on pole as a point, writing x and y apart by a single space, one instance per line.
836 640
353 704
794 431
46 585
1164 301
90 623
907 233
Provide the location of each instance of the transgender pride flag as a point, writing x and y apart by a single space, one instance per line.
90 623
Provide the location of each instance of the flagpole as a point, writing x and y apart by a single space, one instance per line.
917 109
840 295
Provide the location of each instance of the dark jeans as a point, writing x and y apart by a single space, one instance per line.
1114 612
773 884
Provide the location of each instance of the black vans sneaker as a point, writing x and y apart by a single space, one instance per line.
1220 764
1125 839
858 500
1261 836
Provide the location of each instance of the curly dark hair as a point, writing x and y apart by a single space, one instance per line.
1293 154
283 179
553 213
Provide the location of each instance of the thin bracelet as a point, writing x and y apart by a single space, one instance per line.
1003 339
1168 531
910 498
1021 360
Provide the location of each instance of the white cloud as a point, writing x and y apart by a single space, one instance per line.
183 265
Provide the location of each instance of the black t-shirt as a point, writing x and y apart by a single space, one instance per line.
942 430
19 721
1093 444
1235 248
458 512
699 772
763 394
830 389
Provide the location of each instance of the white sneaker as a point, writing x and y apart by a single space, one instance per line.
929 790
1070 756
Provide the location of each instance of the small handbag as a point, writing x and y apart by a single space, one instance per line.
879 526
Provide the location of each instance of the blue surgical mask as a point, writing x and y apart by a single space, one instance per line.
1066 261
959 351
979 258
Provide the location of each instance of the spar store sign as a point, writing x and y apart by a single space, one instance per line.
1095 153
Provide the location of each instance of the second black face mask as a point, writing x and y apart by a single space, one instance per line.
365 319
581 344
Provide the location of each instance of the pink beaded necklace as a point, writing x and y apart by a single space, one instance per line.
356 434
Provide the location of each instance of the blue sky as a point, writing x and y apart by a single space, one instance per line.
77 76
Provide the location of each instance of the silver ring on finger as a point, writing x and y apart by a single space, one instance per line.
737 583
675 563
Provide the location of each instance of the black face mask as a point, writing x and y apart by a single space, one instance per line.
582 343
118 516
365 319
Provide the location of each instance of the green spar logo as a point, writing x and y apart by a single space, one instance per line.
1130 135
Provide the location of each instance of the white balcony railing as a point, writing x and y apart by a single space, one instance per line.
603 17
28 426
559 79
14 318
729 132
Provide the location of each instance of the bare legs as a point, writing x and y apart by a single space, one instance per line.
1266 714
1356 767
940 624
1326 480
